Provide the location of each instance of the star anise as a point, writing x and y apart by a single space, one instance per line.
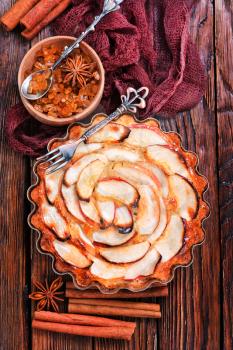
47 295
77 70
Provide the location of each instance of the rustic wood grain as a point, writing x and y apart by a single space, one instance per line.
224 65
14 234
197 315
191 313
41 268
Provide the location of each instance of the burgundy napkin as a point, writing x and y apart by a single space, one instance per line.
146 43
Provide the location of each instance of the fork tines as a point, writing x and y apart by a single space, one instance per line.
56 159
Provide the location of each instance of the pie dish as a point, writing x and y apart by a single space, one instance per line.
125 211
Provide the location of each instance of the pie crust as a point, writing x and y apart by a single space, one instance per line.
125 211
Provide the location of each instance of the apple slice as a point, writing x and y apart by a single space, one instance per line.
71 254
162 222
185 195
143 267
71 201
125 254
84 149
171 240
121 154
148 211
107 211
77 233
111 236
52 184
160 176
110 133
136 175
123 217
168 160
105 270
88 178
142 136
90 212
116 189
72 174
53 219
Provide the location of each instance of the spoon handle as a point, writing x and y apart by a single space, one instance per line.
109 6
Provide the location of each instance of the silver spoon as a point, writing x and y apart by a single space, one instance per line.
109 6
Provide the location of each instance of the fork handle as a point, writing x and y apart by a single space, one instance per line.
101 124
133 100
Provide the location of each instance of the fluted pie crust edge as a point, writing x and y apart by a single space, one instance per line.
164 271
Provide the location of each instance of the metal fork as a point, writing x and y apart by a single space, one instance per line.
61 155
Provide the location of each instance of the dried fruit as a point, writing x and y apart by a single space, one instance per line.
75 83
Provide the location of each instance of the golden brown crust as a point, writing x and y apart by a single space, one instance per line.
163 272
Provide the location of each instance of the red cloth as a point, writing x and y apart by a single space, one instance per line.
146 43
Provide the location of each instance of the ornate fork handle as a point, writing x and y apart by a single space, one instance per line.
60 156
133 100
109 6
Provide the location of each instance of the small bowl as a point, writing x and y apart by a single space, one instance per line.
27 64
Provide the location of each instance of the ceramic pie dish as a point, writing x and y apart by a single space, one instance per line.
127 209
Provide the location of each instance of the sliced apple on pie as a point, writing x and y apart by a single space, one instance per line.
136 175
185 196
71 254
171 240
148 211
52 184
90 211
122 154
84 149
143 267
72 202
169 160
106 270
106 210
117 190
111 236
123 218
110 133
125 210
54 220
88 179
73 172
144 137
125 254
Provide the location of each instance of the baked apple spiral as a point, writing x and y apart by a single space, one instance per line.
126 209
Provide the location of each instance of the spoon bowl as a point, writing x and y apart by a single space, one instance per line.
27 64
25 86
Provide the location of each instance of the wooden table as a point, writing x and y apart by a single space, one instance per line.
198 314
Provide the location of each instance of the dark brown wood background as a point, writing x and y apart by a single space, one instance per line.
198 314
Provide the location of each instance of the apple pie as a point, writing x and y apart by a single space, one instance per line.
125 211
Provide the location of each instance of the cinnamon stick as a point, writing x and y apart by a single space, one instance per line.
124 294
84 320
117 303
38 13
30 34
89 331
12 17
111 311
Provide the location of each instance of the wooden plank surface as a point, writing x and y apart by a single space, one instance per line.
41 268
198 312
14 234
193 310
224 71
